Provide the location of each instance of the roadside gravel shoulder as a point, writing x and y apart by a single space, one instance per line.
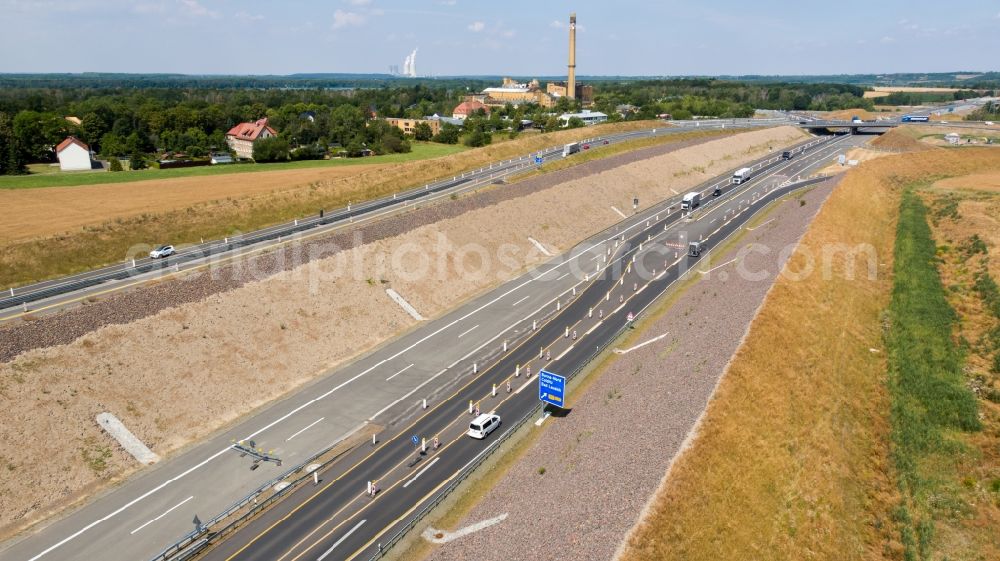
605 459
127 306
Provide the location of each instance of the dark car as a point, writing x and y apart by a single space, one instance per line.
786 155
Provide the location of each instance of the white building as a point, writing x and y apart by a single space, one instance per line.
953 138
241 137
587 116
73 155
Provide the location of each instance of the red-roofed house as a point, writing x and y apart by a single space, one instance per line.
467 108
241 137
73 154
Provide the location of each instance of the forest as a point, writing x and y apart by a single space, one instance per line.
147 116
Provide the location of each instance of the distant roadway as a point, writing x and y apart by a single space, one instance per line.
54 294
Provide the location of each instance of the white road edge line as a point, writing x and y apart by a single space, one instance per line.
421 472
340 541
467 331
816 156
309 426
168 511
521 300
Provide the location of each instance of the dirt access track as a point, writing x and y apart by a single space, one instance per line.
258 342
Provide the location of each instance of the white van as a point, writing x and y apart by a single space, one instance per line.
483 425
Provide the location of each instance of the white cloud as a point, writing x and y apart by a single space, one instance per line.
195 9
347 19
359 2
557 24
508 33
448 2
477 26
886 40
244 16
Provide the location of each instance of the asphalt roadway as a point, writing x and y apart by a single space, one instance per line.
384 388
338 519
55 294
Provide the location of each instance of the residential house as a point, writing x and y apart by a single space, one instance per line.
74 155
242 137
466 108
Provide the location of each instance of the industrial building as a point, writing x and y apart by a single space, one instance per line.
516 93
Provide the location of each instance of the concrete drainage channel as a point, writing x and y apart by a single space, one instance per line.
398 201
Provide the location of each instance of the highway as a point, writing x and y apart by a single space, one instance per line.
378 392
631 269
55 294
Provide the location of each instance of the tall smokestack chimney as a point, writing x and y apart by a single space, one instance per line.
571 78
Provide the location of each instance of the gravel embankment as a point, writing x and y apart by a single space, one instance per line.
124 307
608 456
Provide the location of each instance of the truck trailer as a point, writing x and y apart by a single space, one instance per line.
571 148
691 201
742 175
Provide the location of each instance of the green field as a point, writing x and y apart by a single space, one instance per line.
43 175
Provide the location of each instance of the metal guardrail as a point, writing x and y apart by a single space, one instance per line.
383 548
26 294
483 456
197 540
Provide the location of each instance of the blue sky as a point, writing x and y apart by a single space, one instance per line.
625 37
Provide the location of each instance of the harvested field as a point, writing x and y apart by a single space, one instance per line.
264 339
847 114
44 238
769 478
882 91
54 210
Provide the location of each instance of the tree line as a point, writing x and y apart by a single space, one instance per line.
150 117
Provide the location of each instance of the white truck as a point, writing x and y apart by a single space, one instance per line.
742 175
571 148
691 200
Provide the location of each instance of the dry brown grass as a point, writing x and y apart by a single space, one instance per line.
882 91
791 461
257 200
977 214
845 114
899 140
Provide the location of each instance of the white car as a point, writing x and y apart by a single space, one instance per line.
483 425
988 123
162 251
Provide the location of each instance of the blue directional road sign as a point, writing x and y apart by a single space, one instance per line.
538 160
414 440
551 388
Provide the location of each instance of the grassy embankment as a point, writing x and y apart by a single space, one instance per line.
108 241
790 458
43 175
833 448
930 401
